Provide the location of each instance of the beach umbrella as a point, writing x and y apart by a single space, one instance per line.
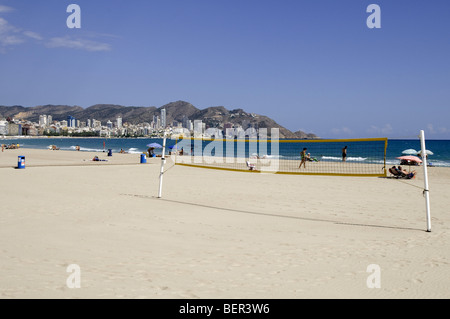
410 158
410 151
154 145
428 152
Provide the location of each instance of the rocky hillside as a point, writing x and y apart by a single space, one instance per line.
215 116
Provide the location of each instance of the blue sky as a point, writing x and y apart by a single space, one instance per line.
310 65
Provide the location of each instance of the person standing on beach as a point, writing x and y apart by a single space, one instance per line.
303 157
344 153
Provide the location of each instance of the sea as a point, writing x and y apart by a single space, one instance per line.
363 152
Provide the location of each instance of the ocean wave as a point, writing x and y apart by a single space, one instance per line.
349 159
271 157
388 162
83 149
134 150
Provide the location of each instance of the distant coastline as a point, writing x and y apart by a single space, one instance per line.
118 120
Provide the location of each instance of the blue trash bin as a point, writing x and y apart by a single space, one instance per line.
143 158
110 152
21 162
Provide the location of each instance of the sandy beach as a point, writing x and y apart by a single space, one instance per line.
215 234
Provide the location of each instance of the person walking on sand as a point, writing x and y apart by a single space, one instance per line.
303 157
344 153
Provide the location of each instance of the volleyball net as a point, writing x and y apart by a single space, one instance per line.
344 157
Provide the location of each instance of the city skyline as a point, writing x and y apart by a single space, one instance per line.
92 127
310 66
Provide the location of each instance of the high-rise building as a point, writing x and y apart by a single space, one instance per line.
88 123
49 120
198 127
71 121
119 122
4 128
15 129
43 120
189 125
163 118
185 122
96 124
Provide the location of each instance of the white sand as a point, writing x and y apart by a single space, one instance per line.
215 234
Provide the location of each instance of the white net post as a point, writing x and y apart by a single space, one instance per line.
426 190
163 161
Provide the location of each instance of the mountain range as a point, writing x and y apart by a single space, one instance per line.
214 116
